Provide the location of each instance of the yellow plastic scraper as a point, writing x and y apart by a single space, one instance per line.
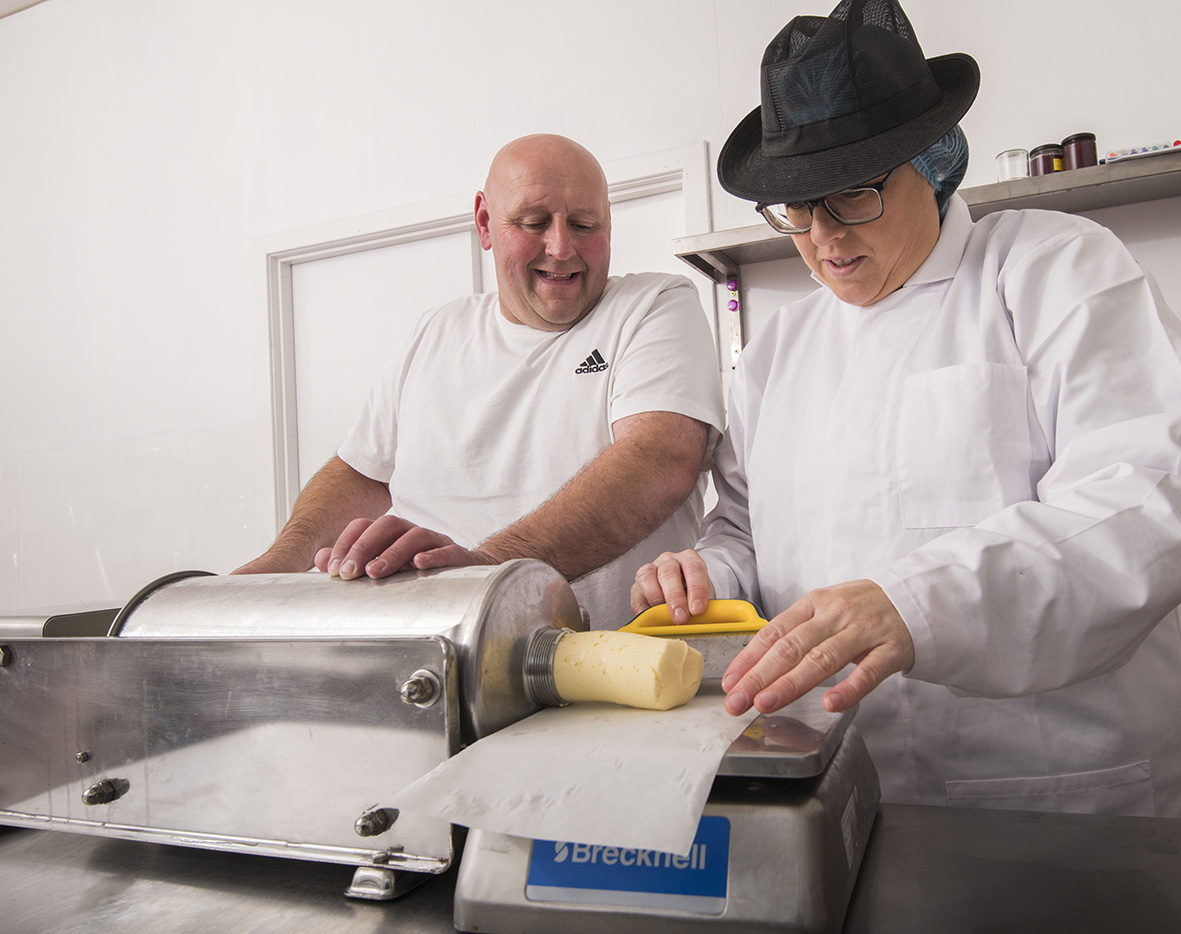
718 634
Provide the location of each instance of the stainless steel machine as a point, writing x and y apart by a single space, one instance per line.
269 713
272 714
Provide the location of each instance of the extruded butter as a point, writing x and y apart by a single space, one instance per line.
626 668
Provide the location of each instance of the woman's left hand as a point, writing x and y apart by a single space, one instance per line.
815 638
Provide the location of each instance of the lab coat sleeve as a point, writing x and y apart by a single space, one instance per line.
726 542
1057 589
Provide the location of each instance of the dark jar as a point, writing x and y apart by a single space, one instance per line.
1045 159
1079 151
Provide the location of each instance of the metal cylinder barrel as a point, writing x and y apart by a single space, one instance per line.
490 615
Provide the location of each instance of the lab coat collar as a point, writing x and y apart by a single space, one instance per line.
945 258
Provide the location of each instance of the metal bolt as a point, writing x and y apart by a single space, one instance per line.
375 822
5 656
83 756
103 792
422 689
416 690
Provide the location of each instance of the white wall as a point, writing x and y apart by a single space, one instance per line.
147 143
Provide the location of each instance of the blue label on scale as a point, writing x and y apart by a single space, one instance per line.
561 871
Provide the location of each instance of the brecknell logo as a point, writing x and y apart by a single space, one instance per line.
591 855
585 873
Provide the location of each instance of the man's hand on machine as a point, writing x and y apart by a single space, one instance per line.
810 641
380 547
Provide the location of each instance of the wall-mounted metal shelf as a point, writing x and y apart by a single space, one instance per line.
720 254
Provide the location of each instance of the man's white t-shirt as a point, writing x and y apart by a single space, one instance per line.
479 421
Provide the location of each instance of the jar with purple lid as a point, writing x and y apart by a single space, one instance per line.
1079 151
1045 159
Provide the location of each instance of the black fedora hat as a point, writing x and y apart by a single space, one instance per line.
846 98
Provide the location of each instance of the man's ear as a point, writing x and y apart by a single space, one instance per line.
483 221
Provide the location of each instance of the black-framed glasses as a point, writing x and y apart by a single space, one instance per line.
850 207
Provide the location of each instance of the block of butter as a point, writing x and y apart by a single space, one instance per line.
626 668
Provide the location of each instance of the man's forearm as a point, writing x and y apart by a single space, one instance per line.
616 501
335 496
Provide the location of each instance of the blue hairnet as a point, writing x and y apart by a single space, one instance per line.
944 165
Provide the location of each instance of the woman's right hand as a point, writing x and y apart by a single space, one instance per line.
681 580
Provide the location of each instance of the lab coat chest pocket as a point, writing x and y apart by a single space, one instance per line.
963 444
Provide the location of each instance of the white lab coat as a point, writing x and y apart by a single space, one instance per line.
998 445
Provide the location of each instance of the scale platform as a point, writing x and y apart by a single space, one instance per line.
777 849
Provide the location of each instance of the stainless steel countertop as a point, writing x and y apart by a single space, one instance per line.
925 870
970 871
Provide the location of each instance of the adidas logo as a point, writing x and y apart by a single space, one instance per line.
593 364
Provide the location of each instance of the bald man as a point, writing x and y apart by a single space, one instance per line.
566 417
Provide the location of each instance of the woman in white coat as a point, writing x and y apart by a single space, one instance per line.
952 475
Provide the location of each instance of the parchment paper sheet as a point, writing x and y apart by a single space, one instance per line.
587 773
